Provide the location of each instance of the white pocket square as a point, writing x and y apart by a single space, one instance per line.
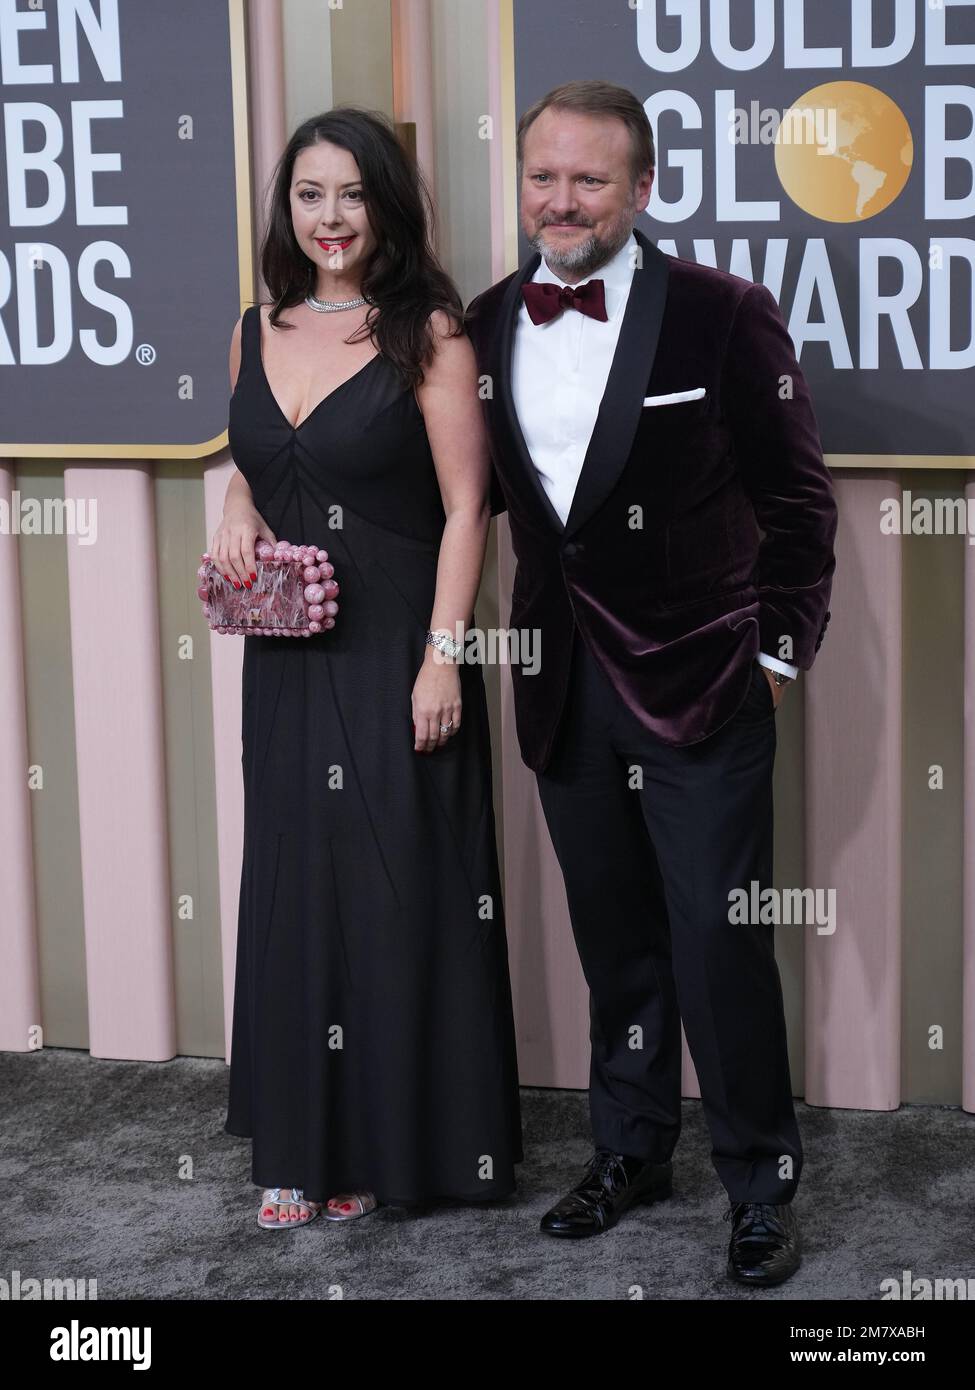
676 396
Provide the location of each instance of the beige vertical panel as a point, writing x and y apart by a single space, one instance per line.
307 60
188 716
362 54
51 746
20 1000
121 771
463 154
933 845
853 814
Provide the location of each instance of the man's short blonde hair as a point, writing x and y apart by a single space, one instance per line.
594 98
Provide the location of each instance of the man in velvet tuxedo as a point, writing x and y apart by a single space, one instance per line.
654 443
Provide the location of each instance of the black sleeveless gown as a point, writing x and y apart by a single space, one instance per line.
373 1044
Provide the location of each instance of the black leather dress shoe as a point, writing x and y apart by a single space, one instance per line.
612 1182
765 1246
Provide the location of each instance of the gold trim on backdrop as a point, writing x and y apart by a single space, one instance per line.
245 264
509 128
242 152
900 461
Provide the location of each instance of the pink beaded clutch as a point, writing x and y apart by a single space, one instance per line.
293 596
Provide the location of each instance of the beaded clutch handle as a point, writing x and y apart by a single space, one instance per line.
293 596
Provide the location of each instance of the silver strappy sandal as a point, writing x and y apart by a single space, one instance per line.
365 1201
273 1194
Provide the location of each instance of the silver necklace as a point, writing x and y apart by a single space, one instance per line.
332 306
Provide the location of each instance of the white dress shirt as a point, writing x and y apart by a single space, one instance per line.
559 371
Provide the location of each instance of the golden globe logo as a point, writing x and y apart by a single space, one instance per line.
867 169
913 305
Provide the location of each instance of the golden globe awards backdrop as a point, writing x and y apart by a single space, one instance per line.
126 241
827 149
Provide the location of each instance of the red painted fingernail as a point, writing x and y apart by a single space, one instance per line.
253 575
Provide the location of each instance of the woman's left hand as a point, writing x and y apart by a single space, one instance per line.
436 702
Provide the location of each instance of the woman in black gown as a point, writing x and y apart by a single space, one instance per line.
373 1056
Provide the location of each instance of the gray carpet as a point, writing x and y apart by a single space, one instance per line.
121 1172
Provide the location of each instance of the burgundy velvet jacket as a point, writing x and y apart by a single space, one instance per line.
735 550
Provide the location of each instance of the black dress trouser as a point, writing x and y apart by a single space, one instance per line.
648 871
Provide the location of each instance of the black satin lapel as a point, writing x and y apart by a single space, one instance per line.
513 446
619 411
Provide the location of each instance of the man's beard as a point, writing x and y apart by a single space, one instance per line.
590 253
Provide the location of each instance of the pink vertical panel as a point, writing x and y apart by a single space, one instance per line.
265 87
413 78
265 96
968 982
112 597
853 814
20 1003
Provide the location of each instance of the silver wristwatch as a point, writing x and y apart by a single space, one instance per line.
445 644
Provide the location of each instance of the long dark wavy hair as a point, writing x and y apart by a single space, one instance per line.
403 279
